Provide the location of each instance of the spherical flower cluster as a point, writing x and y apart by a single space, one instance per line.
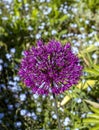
50 68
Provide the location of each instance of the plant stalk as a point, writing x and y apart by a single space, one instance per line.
56 109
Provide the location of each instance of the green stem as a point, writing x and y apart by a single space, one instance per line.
56 109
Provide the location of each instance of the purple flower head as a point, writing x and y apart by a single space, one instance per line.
50 68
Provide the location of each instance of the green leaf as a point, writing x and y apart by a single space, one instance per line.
96 116
65 100
34 13
94 104
92 71
96 110
90 48
86 84
96 67
95 128
64 17
89 120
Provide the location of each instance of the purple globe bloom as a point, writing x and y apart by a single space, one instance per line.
50 68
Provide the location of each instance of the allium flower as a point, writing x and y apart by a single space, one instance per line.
50 68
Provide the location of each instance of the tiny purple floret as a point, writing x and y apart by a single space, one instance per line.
50 67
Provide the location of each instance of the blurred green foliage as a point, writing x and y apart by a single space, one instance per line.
22 23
